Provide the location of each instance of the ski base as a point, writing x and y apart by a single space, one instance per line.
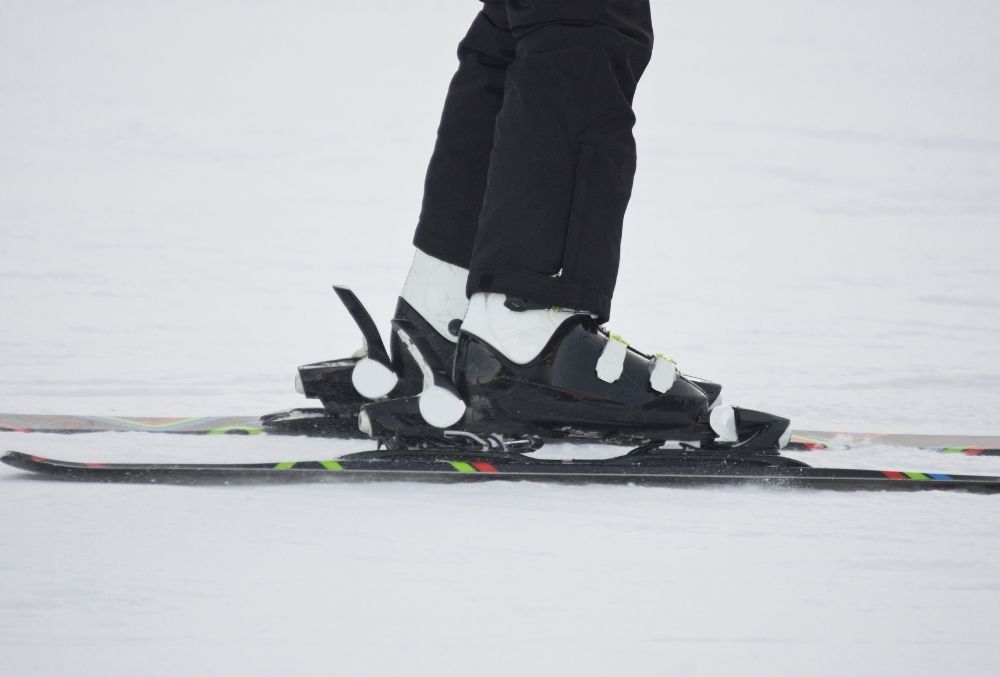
663 468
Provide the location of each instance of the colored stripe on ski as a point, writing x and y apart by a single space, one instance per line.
332 466
422 465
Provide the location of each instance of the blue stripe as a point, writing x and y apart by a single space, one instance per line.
938 476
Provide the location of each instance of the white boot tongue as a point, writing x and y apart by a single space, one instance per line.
436 290
520 335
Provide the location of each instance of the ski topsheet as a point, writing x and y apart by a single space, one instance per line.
802 440
969 445
668 469
201 425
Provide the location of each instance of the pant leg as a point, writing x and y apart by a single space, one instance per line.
563 155
456 176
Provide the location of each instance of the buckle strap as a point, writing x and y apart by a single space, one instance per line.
611 363
663 372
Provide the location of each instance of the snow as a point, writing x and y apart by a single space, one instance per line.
815 223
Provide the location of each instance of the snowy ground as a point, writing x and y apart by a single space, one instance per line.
815 223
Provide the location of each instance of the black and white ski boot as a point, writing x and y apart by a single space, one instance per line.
432 304
530 374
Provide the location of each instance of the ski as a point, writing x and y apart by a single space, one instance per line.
197 425
318 422
641 466
968 445
295 422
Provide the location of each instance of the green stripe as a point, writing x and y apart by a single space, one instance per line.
226 429
461 466
331 465
916 475
285 465
954 450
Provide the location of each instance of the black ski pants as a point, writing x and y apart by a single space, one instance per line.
534 160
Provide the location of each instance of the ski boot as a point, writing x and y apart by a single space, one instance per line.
522 374
343 386
432 302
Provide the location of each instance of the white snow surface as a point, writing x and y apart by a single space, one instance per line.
815 223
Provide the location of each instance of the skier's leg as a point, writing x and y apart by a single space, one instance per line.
564 155
456 175
549 235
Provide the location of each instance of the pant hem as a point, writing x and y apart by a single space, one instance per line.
542 289
441 247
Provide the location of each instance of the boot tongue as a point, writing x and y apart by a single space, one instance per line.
520 335
436 290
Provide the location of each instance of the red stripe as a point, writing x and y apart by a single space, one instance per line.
483 466
94 465
894 474
973 451
815 446
39 459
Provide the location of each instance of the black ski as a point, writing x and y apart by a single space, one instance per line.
648 467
